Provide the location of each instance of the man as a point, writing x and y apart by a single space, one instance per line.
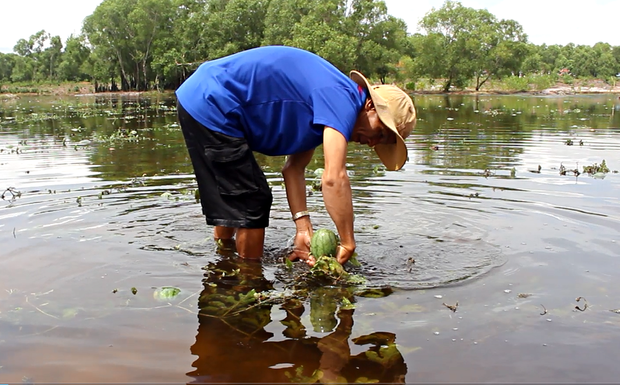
283 101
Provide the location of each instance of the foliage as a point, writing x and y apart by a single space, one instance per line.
596 168
464 43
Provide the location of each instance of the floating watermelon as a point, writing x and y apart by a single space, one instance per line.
324 242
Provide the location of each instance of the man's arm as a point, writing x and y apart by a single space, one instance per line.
295 183
337 191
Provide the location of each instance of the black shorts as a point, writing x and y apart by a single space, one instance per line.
233 189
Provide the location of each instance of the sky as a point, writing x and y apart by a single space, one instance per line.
544 21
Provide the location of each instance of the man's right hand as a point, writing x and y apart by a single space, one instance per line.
343 254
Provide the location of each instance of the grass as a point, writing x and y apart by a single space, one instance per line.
46 88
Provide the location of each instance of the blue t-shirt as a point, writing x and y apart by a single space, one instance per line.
278 98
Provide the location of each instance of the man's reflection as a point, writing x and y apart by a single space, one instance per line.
232 345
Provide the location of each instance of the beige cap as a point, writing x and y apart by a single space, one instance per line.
396 110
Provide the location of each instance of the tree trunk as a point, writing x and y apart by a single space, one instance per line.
446 87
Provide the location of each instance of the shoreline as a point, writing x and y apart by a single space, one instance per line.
558 89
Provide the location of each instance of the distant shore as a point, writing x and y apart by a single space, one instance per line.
87 89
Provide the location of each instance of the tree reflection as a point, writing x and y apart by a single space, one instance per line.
238 341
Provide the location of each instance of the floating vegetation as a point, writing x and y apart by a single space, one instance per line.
564 170
233 288
138 181
585 305
166 293
13 192
317 184
118 136
329 269
452 307
596 168
379 169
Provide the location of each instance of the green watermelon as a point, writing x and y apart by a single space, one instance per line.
324 242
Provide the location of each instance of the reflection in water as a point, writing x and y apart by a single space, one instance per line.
233 345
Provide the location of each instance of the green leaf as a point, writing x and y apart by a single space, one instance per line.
166 293
69 313
354 261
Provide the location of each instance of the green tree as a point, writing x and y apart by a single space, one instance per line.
351 34
234 25
322 31
23 69
281 18
123 32
465 43
7 62
33 57
533 62
74 57
500 50
177 54
51 58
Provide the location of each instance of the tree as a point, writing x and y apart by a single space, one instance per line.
465 43
281 18
74 57
234 25
500 51
7 62
351 34
124 32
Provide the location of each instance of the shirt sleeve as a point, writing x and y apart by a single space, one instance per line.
336 107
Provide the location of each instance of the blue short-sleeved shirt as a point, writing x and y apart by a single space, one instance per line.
278 98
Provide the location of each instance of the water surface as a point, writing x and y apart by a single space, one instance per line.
99 204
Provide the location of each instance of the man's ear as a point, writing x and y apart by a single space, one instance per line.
369 105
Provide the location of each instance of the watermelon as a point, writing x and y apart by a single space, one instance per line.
324 242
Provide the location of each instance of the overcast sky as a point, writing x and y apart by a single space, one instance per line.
544 21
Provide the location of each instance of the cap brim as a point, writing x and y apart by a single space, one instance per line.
393 156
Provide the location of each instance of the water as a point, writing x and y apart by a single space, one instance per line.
99 204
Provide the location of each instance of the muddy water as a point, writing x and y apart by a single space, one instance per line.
98 214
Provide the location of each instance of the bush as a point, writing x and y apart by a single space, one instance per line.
545 81
517 83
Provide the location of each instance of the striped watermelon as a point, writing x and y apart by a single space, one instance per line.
324 242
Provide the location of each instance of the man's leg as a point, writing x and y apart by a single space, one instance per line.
224 237
223 232
250 243
234 192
